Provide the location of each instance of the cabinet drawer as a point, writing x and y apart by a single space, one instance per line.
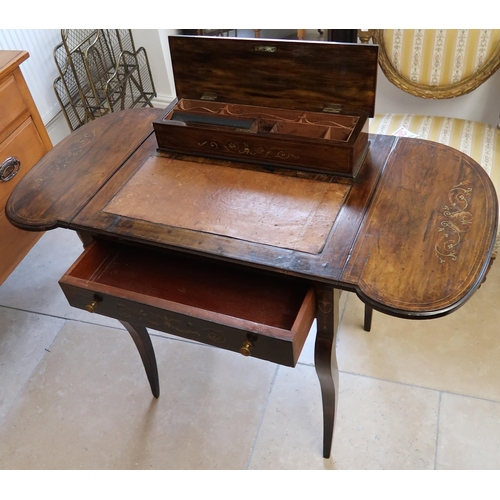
12 104
208 301
14 245
26 145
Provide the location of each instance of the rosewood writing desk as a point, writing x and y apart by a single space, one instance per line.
244 256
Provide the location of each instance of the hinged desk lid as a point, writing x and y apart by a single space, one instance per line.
310 76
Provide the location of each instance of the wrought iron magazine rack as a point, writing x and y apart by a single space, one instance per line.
100 71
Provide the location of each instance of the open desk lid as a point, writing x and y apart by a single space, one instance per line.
304 75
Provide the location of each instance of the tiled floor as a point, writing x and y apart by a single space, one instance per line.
73 393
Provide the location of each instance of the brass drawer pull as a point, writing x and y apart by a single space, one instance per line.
246 348
91 307
9 168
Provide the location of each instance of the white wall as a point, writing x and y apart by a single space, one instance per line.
39 69
156 45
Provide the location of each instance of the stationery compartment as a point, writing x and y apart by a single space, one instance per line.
301 130
257 119
321 142
233 307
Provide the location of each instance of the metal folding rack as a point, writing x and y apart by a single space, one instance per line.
100 72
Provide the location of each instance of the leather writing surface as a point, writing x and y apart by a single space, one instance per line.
285 212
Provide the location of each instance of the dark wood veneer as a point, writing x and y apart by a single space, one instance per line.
410 228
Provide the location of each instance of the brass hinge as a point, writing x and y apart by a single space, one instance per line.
330 107
209 96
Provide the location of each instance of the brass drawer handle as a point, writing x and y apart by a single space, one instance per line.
91 307
246 348
9 168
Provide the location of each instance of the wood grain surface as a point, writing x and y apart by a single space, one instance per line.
412 234
429 232
277 73
60 184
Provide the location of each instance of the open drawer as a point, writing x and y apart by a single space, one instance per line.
264 315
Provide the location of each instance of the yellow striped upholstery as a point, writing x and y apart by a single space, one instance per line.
478 140
439 57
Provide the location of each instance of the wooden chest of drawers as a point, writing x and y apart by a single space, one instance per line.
23 141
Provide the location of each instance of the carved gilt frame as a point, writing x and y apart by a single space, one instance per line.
428 91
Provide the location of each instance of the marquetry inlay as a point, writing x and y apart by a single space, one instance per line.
454 220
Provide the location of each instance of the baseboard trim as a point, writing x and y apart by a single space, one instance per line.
58 128
162 101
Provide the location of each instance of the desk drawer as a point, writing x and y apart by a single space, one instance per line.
14 245
12 104
25 146
256 313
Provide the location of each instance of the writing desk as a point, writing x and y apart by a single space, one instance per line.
243 256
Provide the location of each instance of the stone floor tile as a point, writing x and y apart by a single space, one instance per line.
380 425
25 338
469 434
89 406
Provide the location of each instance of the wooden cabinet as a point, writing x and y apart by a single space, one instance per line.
23 141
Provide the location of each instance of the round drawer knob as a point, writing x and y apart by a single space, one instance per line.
246 348
9 168
91 307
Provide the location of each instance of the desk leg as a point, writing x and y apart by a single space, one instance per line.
368 318
143 343
325 359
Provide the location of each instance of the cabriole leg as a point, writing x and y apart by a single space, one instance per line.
325 359
143 343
